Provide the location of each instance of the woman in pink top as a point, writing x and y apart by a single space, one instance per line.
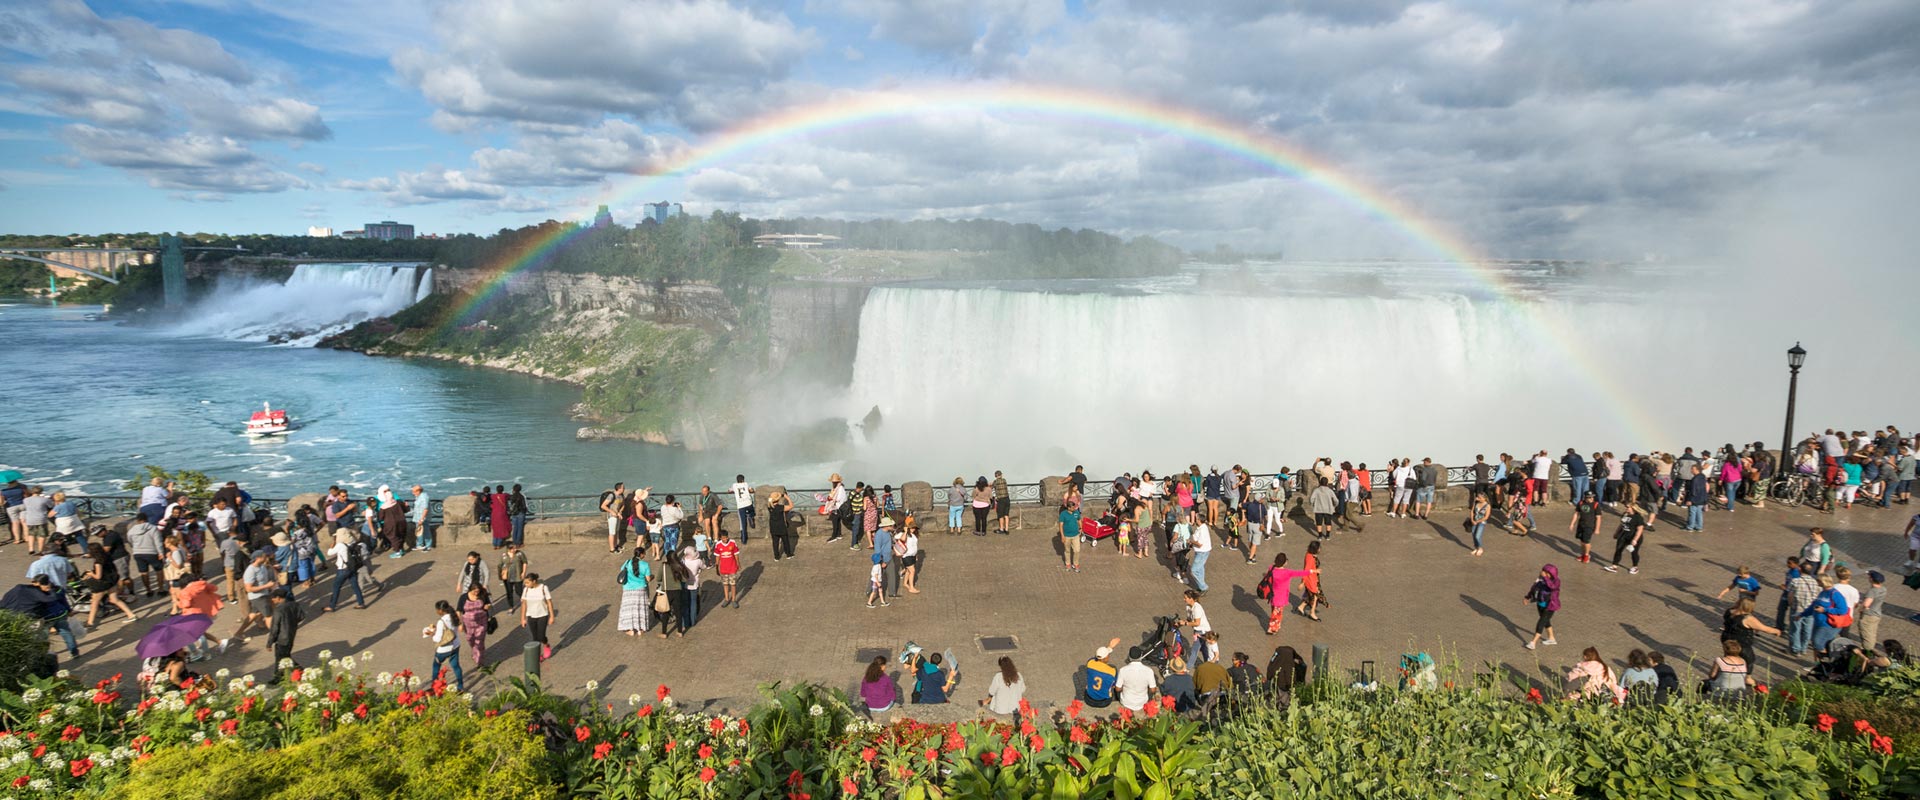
1730 476
1280 584
1593 678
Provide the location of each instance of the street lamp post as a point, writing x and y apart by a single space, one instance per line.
1795 357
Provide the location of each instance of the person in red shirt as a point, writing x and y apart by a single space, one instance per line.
726 555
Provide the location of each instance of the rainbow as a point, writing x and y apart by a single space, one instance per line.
853 109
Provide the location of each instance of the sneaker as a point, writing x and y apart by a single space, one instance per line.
223 645
870 604
885 603
396 554
1530 645
1613 567
1633 570
1549 641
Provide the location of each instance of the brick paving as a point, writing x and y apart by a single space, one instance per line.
1398 586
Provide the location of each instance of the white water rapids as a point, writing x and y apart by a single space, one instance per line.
317 300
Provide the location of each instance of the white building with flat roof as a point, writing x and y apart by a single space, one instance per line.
321 231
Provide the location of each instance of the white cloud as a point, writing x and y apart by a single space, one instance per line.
982 28
434 184
189 162
536 61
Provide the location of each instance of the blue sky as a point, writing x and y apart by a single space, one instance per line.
1616 129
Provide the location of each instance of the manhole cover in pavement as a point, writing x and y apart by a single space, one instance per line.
999 644
1679 548
866 655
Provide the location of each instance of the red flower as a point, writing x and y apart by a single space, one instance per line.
1824 723
81 768
717 726
333 695
296 675
1079 735
1008 756
39 751
932 754
1534 697
144 705
743 727
192 696
1074 708
1787 696
139 743
1883 745
989 758
326 713
1026 708
794 778
847 785
1026 728
706 751
201 715
247 703
582 733
103 698
645 711
706 774
287 703
1037 742
662 692
1860 726
71 733
953 742
1167 702
1762 688
867 754
22 781
1152 709
360 711
601 750
668 747
229 726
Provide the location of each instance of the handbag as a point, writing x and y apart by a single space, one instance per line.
443 638
1840 620
492 625
661 604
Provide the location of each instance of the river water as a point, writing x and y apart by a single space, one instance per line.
86 403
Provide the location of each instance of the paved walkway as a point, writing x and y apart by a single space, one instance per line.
1400 585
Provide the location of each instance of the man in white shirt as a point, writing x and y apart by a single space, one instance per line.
221 519
1402 476
422 538
153 501
743 505
1542 470
1202 545
343 572
1136 683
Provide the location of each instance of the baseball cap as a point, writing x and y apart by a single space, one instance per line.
1102 652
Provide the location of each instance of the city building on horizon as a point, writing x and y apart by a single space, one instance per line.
659 212
602 218
388 229
319 231
353 234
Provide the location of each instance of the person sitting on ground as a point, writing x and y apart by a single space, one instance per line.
1178 684
1284 671
1006 690
1730 675
1136 682
1210 677
931 680
1244 676
1639 680
1099 676
878 691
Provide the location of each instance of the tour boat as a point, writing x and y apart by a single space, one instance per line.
267 422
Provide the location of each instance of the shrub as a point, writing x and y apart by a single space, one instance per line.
23 649
444 753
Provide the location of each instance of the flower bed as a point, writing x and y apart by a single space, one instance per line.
334 732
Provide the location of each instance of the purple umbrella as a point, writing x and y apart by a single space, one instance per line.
171 634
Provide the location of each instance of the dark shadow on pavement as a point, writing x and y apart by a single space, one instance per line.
749 578
1489 612
1244 600
582 625
1672 651
557 579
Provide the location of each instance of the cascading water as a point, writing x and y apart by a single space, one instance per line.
1034 382
317 300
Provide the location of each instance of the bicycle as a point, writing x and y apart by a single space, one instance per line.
1800 490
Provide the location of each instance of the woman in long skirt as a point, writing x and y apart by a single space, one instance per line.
633 593
499 519
473 621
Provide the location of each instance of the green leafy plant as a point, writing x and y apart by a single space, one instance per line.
194 484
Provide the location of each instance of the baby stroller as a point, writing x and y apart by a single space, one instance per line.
1095 530
1164 644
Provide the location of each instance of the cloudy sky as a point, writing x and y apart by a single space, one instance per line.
1527 127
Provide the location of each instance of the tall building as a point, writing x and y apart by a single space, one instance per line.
388 229
602 218
659 212
320 231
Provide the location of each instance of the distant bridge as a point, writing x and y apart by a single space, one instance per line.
172 262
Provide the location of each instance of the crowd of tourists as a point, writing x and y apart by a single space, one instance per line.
332 550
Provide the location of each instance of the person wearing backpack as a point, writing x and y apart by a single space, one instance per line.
347 562
632 578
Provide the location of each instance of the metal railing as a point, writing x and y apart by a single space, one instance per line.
563 506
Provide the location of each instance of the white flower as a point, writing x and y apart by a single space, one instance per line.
103 762
384 678
122 753
199 736
593 686
666 702
31 696
221 674
326 654
69 711
333 664
54 761
347 719
236 685
285 663
853 728
414 681
347 662
40 784
632 700
219 715
308 689
366 655
63 674
248 679
815 710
